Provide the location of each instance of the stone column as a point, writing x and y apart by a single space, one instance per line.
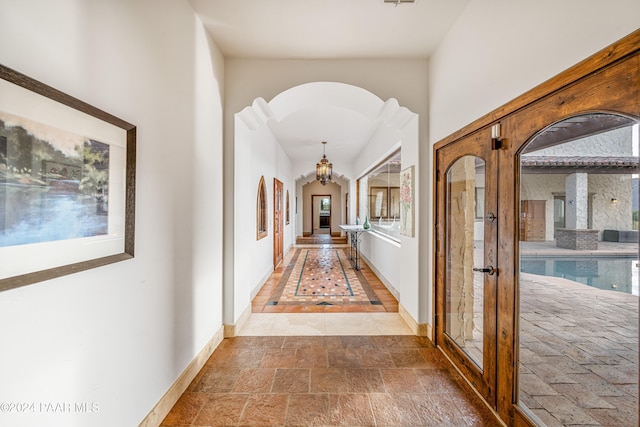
577 235
577 205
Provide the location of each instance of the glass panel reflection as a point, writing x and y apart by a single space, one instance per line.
464 288
578 305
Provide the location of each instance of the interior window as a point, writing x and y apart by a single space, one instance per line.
261 210
383 197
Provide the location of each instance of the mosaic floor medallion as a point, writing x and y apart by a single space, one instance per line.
321 276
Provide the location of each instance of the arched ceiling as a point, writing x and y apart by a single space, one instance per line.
347 117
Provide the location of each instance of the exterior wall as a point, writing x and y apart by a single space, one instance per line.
606 215
120 335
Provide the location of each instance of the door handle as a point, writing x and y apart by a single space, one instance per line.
490 270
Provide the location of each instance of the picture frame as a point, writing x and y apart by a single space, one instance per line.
67 183
407 201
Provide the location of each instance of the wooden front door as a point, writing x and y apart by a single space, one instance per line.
278 235
467 258
478 231
533 220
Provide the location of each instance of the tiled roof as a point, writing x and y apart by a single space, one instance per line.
579 162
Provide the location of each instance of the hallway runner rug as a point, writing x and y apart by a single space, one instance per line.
322 277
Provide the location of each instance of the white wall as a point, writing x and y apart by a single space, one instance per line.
119 335
258 155
499 49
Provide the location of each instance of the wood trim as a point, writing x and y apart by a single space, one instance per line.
609 55
179 386
278 222
313 213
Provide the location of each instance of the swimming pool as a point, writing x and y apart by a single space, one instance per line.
618 274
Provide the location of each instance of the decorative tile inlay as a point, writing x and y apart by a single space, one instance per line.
322 274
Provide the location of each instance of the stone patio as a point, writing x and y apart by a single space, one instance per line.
578 346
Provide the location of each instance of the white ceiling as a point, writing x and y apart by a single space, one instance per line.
326 29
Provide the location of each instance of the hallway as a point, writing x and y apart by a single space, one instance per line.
349 291
309 366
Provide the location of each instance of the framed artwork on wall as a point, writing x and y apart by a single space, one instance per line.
407 197
67 183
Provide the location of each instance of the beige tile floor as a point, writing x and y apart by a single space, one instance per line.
331 324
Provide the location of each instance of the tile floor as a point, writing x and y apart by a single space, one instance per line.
328 381
330 365
335 324
275 288
295 366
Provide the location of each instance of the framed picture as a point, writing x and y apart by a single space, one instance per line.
67 183
407 196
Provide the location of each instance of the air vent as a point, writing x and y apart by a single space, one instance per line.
397 2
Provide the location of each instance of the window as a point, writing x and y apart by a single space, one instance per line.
261 210
382 205
287 208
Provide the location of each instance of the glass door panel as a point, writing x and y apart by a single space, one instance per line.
464 287
467 244
578 295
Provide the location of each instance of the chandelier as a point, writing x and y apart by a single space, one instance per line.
324 168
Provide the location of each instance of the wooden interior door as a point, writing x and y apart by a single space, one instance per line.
278 237
467 264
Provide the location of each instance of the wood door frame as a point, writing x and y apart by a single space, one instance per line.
483 378
278 223
313 214
607 81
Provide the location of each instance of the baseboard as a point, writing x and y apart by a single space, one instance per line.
260 284
419 329
383 279
232 330
162 408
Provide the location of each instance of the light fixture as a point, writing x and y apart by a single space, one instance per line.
397 2
614 200
324 168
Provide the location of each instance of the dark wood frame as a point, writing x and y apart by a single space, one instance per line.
388 201
278 222
49 92
608 81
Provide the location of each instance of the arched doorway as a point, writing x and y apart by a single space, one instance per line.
504 184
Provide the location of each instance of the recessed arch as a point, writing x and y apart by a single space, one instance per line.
261 210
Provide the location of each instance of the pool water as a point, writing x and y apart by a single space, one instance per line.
619 274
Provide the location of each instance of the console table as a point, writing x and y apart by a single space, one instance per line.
354 232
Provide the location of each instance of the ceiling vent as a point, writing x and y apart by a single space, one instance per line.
397 2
